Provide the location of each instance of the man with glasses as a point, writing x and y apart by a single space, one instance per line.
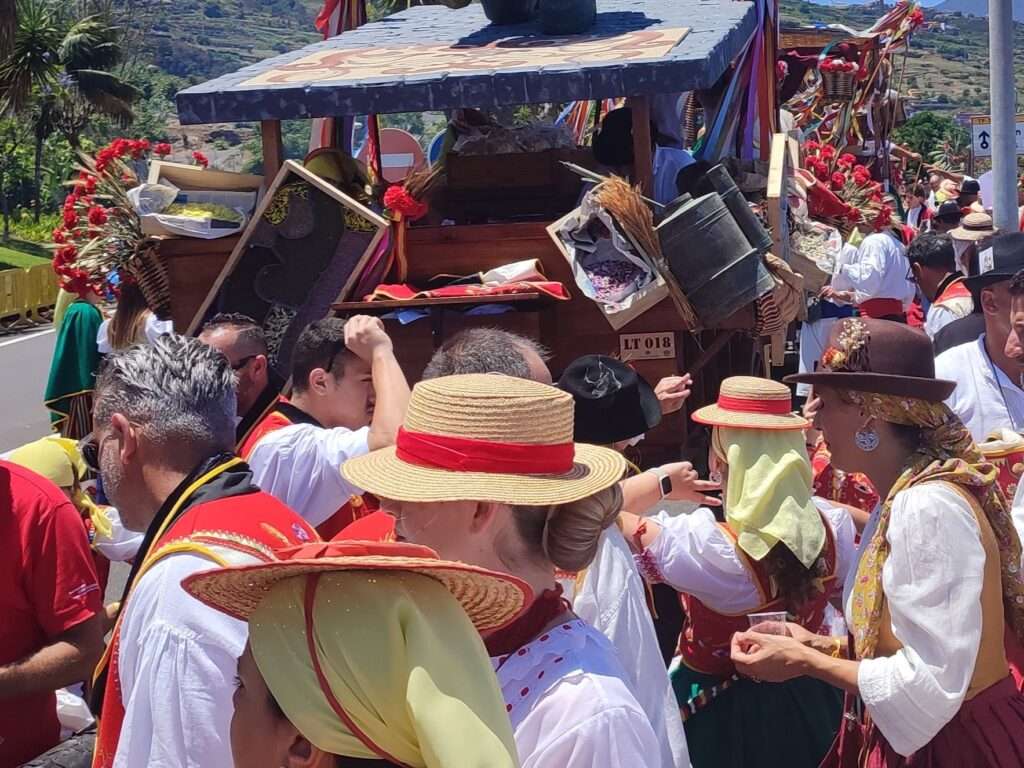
241 340
348 398
932 260
163 426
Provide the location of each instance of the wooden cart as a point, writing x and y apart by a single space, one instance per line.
434 58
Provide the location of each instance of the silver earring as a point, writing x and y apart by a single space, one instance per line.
866 439
715 477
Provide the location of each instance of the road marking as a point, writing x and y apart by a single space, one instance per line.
26 338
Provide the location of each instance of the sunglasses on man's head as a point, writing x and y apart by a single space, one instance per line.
90 451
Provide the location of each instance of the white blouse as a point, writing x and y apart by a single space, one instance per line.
152 330
879 272
570 705
932 580
694 555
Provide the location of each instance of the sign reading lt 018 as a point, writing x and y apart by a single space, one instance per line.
647 346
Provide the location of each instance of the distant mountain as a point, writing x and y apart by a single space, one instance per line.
978 8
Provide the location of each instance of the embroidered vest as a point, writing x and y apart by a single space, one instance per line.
704 642
229 531
355 508
991 665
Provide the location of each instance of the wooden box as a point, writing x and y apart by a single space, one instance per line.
192 267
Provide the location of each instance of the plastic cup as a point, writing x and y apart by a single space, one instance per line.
772 623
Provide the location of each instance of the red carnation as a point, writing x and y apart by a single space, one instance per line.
846 160
163 149
200 159
398 199
97 216
811 146
828 151
58 236
70 219
65 254
838 180
821 171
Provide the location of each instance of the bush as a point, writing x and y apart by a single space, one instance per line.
24 228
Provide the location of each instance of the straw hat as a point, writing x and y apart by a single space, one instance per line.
974 226
486 437
749 402
490 599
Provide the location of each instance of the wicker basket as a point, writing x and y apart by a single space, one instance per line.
839 86
151 275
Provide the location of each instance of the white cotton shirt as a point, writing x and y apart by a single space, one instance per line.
177 664
152 330
985 399
694 555
878 272
613 600
300 465
570 705
932 581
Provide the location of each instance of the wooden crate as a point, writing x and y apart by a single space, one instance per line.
192 267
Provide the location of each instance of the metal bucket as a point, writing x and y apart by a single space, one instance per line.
711 258
509 11
567 17
723 184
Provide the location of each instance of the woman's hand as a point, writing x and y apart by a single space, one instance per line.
672 392
687 485
840 297
772 658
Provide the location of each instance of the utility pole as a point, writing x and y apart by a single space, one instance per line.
1004 115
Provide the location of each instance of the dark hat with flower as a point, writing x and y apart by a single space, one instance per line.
878 356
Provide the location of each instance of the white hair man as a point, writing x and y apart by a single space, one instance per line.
164 428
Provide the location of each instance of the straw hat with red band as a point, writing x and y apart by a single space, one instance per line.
490 599
748 402
486 437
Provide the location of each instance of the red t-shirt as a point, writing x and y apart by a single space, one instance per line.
47 586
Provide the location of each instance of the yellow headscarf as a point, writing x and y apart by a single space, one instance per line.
59 461
401 659
768 495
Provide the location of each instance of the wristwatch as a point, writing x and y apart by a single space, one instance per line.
664 480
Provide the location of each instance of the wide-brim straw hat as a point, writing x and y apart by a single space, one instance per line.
749 402
487 437
973 227
490 599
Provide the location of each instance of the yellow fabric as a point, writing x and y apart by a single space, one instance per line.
768 493
946 453
59 461
401 658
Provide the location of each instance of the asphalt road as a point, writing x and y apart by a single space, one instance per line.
24 366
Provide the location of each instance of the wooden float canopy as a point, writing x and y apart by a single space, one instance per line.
435 58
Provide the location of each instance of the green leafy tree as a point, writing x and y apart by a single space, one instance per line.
60 73
928 132
15 136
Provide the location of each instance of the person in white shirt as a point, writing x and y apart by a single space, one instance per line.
915 200
133 322
988 395
933 266
163 430
877 282
934 182
778 550
937 581
348 397
485 471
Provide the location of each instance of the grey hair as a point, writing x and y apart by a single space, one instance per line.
483 350
180 391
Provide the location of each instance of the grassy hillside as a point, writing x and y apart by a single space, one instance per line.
946 68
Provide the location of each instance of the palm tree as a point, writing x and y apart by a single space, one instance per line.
59 73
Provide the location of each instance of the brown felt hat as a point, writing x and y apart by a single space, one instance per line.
878 356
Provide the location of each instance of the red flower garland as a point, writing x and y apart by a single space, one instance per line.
398 199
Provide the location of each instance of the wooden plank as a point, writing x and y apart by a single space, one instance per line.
779 170
273 147
643 151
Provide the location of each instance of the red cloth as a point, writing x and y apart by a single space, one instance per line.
915 316
880 308
846 488
48 585
376 526
987 731
403 292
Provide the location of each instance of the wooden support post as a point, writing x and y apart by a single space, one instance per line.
273 148
643 151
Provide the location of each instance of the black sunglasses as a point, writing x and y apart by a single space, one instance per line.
90 451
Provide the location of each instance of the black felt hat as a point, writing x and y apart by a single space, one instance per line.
613 403
1002 263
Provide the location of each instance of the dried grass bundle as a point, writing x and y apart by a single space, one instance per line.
626 205
425 182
